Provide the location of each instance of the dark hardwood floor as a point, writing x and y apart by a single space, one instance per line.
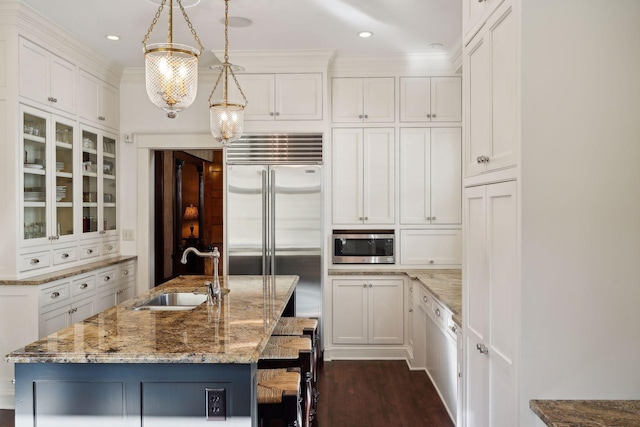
367 394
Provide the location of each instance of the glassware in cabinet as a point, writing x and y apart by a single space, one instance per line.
89 182
109 182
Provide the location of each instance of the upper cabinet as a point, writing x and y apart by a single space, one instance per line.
46 78
363 100
430 99
280 96
98 101
491 110
475 13
363 170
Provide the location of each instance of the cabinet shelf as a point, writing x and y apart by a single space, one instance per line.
109 205
35 204
106 154
31 171
64 145
33 138
90 174
64 204
89 150
106 176
64 174
89 204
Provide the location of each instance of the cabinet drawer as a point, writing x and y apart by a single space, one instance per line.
424 299
34 261
127 271
107 277
55 294
89 251
64 255
83 286
439 314
109 248
431 247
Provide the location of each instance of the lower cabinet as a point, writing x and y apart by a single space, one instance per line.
368 311
60 318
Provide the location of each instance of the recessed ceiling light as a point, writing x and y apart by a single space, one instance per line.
112 37
237 21
435 45
365 34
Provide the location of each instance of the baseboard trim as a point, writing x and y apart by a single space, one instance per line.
365 353
7 400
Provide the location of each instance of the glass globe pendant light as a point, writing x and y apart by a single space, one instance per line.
226 117
171 69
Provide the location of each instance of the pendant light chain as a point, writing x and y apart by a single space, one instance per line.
153 23
186 18
190 25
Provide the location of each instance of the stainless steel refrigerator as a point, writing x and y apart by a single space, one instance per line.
274 212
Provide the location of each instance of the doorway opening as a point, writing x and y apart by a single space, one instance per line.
188 210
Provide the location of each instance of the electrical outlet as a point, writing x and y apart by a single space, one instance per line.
216 404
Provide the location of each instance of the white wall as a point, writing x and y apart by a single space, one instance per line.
580 201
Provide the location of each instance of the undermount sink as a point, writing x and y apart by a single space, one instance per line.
173 301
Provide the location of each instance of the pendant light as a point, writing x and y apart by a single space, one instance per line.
226 117
171 70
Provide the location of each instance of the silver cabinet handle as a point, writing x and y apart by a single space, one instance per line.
120 292
454 328
428 116
428 218
482 348
360 116
433 116
272 114
84 286
89 251
430 261
425 299
366 116
277 113
73 310
102 231
370 285
433 218
110 247
34 261
364 286
102 118
107 278
125 272
64 255
478 159
438 312
411 310
55 295
366 218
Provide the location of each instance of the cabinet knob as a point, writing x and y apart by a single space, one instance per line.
110 247
366 116
107 278
89 251
126 272
55 295
431 261
34 261
482 348
433 116
360 116
64 255
428 218
479 159
361 218
425 299
272 114
411 310
454 328
438 312
277 113
84 286
102 231
370 285
102 118
364 286
433 218
366 218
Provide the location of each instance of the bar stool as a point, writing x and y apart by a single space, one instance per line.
296 326
290 351
278 396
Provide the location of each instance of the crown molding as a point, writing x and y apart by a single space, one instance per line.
410 64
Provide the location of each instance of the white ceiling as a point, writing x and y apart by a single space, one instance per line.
399 26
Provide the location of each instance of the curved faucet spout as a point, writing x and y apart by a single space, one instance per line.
212 254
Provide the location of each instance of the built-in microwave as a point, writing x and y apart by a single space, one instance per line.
363 247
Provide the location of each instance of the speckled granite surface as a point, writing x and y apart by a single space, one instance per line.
445 285
234 332
68 272
587 413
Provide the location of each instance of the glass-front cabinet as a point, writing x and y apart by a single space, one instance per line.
48 177
99 214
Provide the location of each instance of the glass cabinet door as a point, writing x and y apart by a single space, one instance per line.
89 182
63 157
35 144
108 183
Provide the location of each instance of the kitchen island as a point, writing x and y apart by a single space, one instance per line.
128 367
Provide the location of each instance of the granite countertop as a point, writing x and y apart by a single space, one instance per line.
444 284
236 331
68 272
587 413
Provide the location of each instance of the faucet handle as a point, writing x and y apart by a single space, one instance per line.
216 252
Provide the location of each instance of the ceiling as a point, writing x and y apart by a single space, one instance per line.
399 26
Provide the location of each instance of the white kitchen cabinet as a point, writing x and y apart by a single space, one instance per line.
420 317
410 308
99 186
430 99
490 301
46 78
363 172
419 247
363 100
491 119
475 13
287 96
47 187
430 176
98 101
368 311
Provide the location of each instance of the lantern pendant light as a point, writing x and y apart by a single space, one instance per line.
171 70
226 117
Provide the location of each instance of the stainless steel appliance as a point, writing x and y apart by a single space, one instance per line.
363 247
274 211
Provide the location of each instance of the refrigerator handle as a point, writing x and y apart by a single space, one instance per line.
272 220
264 222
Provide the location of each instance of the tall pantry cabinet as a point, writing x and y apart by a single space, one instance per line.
491 285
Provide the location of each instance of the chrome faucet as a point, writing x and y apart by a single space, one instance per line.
213 288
